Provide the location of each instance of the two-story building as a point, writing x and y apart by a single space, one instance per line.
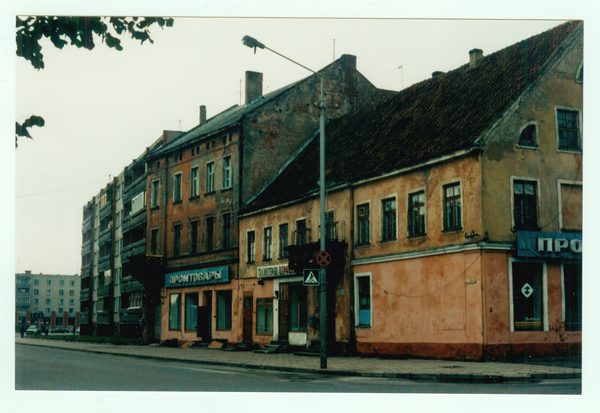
456 212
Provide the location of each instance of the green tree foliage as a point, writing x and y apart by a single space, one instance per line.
81 32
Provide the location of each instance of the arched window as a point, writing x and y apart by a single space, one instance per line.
528 136
579 77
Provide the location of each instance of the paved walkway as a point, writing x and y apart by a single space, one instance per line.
350 366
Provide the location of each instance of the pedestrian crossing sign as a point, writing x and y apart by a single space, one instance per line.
311 277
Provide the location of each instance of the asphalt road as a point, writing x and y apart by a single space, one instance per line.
43 368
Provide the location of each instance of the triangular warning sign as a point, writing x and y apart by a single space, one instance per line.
311 279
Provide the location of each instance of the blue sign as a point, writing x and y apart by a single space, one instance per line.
549 245
197 277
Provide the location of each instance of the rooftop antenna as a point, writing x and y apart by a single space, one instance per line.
334 50
179 125
402 69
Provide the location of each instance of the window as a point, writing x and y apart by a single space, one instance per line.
364 230
251 247
177 240
389 219
210 177
194 188
264 315
177 188
525 204
571 206
117 304
210 234
330 233
452 207
71 292
154 194
579 78
119 219
301 230
61 292
71 311
71 302
298 309
528 136
48 300
224 310
191 311
154 241
48 282
118 247
48 292
61 301
416 214
61 282
138 203
572 292
174 311
227 172
194 237
60 310
568 129
226 231
283 240
36 282
72 283
268 244
527 286
36 300
363 300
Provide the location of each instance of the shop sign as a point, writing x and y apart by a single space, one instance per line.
549 245
197 277
273 271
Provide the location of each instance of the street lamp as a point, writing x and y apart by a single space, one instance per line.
253 43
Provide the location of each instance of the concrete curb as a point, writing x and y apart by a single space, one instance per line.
445 377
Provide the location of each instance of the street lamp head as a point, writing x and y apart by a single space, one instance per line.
252 43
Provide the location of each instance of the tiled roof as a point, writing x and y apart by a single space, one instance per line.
433 118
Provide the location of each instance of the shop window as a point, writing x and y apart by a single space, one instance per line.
567 125
251 244
452 210
363 300
572 293
174 311
264 315
364 224
283 240
191 311
224 310
416 214
389 219
298 310
525 205
527 279
268 244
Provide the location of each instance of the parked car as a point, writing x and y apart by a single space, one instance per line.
60 330
32 330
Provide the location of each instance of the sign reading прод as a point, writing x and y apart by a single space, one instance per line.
549 245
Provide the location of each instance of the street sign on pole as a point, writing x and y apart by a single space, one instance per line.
323 258
311 277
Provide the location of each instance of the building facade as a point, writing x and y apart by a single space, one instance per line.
460 204
47 299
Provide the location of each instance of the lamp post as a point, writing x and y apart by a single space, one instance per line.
253 43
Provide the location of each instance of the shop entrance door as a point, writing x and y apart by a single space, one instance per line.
204 318
284 297
248 315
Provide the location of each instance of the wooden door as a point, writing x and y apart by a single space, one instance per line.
284 297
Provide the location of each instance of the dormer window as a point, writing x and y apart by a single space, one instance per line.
528 136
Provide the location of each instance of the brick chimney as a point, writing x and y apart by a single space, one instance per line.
202 114
475 57
254 84
436 74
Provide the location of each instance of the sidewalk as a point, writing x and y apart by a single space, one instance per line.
348 366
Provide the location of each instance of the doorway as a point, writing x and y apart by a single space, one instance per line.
248 316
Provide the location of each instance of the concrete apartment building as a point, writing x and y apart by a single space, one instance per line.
47 299
454 217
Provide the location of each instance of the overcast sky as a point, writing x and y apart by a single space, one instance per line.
103 108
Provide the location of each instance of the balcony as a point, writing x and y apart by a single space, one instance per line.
302 257
84 295
134 189
134 248
104 263
105 236
105 210
103 291
86 247
87 224
134 220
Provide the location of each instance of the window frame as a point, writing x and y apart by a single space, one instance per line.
560 184
267 243
210 177
282 245
357 297
301 234
194 182
227 181
363 232
422 230
209 223
522 179
262 306
154 191
385 217
194 232
457 226
175 322
224 297
567 149
251 246
177 229
177 196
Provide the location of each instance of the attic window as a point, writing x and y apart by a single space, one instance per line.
529 136
579 78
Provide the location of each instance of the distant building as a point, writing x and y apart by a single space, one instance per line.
48 299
